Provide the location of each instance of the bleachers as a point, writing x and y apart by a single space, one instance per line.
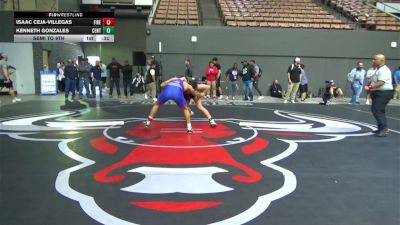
278 13
369 17
177 12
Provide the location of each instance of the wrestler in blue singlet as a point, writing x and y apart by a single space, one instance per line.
173 91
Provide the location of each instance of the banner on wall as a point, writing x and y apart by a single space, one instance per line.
48 82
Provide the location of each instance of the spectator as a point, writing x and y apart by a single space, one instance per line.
294 78
232 76
115 69
247 78
84 69
97 79
396 78
303 83
5 80
158 70
150 82
71 75
60 76
276 89
76 64
127 78
103 74
381 88
358 75
218 78
371 71
331 92
335 90
211 77
257 74
188 70
148 64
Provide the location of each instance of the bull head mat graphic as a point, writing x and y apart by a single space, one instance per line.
128 174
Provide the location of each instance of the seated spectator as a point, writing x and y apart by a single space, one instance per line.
276 89
331 92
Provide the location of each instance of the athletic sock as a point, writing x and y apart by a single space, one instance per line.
189 128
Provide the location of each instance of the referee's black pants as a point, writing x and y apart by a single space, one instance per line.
380 99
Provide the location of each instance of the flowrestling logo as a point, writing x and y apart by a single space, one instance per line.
129 174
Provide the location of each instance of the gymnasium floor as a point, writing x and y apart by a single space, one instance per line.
93 162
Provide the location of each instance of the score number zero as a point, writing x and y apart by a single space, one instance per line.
108 26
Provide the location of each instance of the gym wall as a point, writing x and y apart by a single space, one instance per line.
327 54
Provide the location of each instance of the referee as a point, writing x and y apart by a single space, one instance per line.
381 92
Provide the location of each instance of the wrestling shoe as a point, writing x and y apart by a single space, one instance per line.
213 123
190 131
146 123
16 100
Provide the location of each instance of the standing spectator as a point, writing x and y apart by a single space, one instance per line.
294 78
371 71
71 75
381 93
211 76
5 80
84 69
358 75
76 64
218 78
158 71
115 69
232 76
188 70
303 83
276 89
60 76
148 64
103 74
127 78
396 77
247 78
97 79
150 82
257 74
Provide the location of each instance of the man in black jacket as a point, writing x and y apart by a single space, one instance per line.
71 74
127 78
114 68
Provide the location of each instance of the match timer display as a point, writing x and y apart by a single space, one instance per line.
64 27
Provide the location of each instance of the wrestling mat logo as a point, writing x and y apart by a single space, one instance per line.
129 174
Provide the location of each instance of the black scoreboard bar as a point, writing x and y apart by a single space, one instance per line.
64 26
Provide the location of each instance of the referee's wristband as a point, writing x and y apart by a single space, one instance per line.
370 87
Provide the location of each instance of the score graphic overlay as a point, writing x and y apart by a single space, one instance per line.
64 26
